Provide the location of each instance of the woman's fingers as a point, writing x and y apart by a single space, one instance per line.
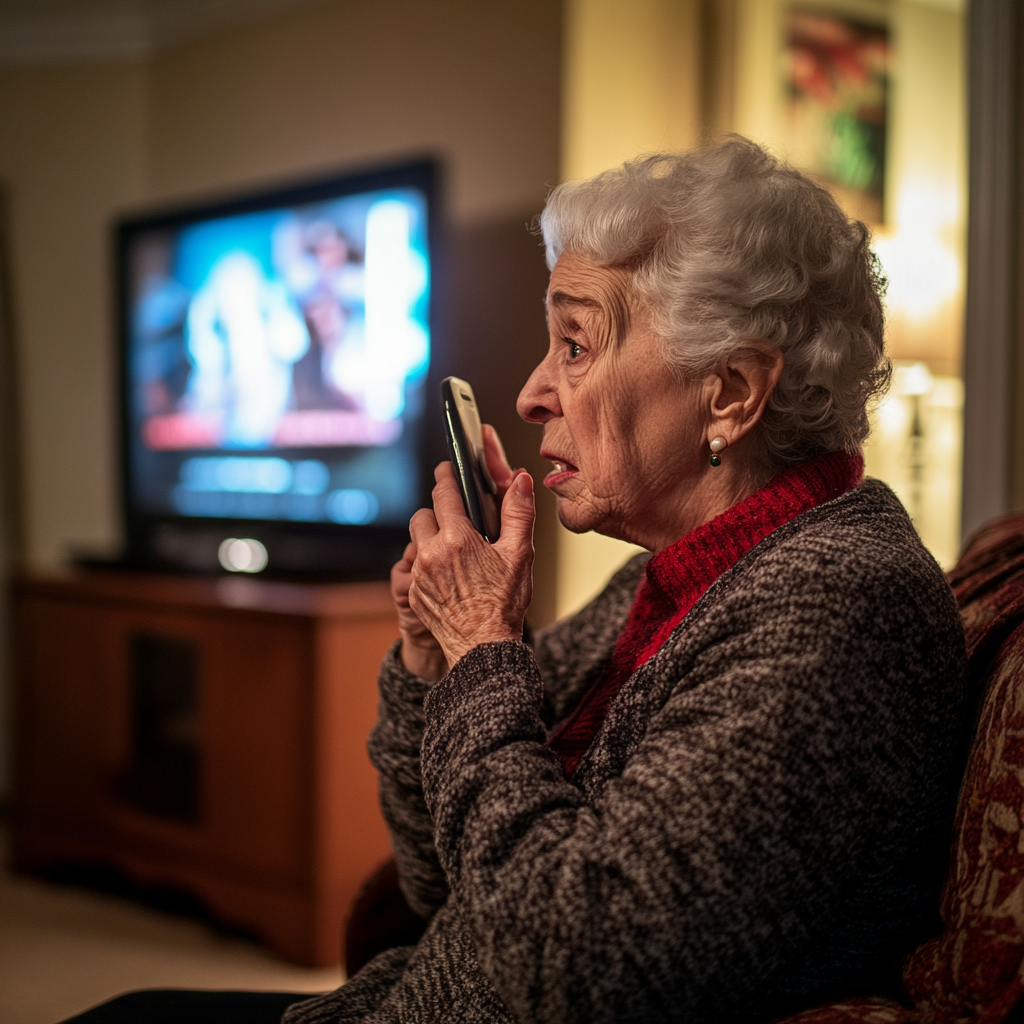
497 461
422 527
421 653
448 506
401 574
408 556
518 514
462 590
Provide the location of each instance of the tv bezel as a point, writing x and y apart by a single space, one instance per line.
336 551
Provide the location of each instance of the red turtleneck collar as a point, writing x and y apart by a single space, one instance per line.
677 578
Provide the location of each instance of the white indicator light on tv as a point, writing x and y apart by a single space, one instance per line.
242 554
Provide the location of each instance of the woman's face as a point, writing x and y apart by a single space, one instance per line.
625 433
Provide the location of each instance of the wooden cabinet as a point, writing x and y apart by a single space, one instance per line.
208 735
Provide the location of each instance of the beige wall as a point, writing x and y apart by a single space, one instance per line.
632 78
355 81
72 150
342 84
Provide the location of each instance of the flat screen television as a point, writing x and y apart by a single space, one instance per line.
275 352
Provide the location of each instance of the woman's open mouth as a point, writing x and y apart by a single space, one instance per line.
563 471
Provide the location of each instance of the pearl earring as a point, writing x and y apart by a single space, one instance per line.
718 444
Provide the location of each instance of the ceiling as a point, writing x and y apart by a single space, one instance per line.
53 31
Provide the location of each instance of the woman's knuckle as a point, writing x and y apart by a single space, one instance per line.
456 540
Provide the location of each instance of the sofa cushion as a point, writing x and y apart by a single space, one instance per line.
972 971
857 1011
976 960
988 582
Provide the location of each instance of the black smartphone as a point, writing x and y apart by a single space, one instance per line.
466 450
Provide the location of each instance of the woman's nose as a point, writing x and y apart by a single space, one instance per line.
538 401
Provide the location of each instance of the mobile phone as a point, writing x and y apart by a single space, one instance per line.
466 450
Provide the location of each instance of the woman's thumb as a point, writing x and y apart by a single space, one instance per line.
518 511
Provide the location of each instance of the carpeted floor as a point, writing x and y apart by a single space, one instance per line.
64 948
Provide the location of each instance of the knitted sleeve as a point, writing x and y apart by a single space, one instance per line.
795 752
572 651
394 749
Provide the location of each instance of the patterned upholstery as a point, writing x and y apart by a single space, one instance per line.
857 1011
973 973
988 582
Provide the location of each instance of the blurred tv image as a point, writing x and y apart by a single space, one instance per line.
277 361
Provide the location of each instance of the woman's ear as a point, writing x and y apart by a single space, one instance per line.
740 390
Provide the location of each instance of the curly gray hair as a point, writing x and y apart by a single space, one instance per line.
729 246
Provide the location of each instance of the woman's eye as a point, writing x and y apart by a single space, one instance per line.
575 351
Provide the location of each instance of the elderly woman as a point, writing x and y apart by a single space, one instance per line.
722 789
719 790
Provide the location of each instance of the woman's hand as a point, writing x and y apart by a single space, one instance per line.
421 653
463 591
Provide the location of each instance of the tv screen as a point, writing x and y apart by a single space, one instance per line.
275 359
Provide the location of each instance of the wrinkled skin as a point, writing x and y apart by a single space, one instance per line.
628 437
453 590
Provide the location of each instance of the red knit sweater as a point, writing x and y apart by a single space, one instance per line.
677 578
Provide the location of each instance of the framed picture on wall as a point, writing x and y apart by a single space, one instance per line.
813 81
836 76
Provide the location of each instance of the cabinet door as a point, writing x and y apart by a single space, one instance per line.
253 733
78 762
70 715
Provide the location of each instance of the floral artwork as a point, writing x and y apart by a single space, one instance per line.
837 79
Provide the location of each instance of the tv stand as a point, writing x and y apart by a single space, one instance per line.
205 734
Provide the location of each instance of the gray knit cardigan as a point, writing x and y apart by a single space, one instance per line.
754 828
